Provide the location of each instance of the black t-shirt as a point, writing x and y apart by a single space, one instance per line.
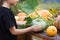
7 20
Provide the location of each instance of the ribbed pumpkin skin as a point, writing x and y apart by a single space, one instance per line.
45 14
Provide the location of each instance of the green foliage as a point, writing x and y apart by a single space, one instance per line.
35 3
29 20
54 11
21 0
28 23
14 9
28 6
50 22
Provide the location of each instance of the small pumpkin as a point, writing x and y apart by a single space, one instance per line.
51 31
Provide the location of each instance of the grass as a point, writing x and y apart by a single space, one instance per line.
49 5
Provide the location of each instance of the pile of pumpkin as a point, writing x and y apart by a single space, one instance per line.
45 20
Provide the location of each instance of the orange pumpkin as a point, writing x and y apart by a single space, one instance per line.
45 14
51 31
21 14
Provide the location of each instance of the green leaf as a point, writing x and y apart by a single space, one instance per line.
29 20
32 3
28 6
28 23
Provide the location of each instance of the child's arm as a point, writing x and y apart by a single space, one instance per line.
15 31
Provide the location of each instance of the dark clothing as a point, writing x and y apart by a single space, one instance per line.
7 20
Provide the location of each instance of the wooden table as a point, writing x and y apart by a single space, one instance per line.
45 37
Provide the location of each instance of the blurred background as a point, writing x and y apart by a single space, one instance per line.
43 4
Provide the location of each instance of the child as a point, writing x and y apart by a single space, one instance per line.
8 26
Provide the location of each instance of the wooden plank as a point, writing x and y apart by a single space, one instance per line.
46 37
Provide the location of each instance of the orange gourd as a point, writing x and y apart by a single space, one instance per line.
51 31
45 14
21 14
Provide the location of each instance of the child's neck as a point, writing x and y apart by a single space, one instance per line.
6 4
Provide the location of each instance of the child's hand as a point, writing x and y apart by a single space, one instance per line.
36 28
